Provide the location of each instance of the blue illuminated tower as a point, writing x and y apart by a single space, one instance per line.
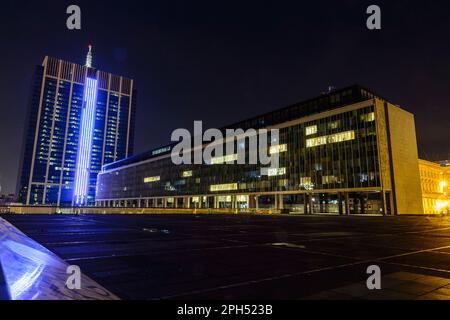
79 119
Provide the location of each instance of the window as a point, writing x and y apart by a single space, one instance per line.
224 187
306 183
278 148
242 198
187 174
223 159
329 179
332 138
161 150
276 171
368 117
152 179
224 198
311 130
333 124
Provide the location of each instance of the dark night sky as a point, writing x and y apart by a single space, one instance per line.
222 61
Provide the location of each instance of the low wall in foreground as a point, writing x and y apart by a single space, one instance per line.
101 210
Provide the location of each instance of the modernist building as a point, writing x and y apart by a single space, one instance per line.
79 119
345 152
435 183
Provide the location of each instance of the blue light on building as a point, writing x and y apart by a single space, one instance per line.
80 118
85 143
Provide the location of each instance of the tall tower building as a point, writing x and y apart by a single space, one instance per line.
79 119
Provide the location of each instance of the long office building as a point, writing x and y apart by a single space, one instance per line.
80 118
347 151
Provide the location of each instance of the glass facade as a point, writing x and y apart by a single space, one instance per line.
52 139
324 158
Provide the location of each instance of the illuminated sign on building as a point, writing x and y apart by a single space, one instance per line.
85 142
276 171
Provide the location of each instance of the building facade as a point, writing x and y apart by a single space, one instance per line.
345 152
435 180
79 119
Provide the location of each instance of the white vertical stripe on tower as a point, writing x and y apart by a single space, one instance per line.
129 116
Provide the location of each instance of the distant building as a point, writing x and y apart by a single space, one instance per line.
348 151
79 119
435 183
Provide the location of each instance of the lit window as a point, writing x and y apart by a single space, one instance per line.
187 173
224 187
311 130
368 117
195 199
276 171
278 148
305 180
223 159
152 179
332 138
161 150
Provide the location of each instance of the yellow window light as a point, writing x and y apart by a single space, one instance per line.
224 159
276 171
368 117
442 186
278 148
242 198
187 174
332 138
311 130
442 205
